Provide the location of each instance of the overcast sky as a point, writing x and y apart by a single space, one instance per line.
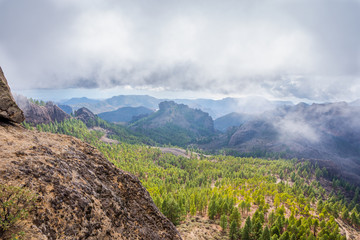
307 49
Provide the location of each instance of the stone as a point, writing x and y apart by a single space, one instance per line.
9 110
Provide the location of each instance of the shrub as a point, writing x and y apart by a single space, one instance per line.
15 204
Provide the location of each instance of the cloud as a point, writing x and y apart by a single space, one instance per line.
301 49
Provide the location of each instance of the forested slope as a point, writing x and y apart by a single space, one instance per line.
250 198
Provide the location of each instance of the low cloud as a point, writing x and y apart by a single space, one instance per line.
292 49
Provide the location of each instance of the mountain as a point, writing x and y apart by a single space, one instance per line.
85 115
133 101
114 103
75 101
37 114
66 108
125 114
215 108
321 132
231 120
58 187
245 105
176 124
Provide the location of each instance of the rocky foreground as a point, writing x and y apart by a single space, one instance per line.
79 193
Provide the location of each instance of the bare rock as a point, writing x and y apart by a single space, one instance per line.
9 111
40 114
85 115
81 195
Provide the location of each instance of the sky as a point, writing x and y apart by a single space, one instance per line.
279 49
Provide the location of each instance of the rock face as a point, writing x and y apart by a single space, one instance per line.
8 108
182 116
85 115
81 195
36 114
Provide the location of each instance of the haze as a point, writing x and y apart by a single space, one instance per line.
279 49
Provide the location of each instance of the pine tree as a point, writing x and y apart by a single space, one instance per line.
223 222
275 231
212 209
257 229
247 230
285 236
315 224
235 216
266 234
233 231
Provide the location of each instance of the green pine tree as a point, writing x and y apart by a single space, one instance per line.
265 234
233 230
223 222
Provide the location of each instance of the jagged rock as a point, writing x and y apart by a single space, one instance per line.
40 114
81 195
85 115
8 109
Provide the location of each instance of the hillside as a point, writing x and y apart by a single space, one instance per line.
125 114
176 124
221 196
68 188
231 120
320 132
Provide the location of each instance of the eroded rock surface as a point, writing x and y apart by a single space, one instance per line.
81 194
85 115
9 111
36 114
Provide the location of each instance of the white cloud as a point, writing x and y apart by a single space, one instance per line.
247 47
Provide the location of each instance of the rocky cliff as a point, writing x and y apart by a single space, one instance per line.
36 114
80 194
85 115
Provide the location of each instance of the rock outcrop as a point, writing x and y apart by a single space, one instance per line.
36 114
81 195
9 111
85 115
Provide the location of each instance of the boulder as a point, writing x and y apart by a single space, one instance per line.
9 110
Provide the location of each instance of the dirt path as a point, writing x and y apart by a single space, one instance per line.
349 231
104 138
180 152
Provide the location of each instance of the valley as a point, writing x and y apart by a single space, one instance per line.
235 191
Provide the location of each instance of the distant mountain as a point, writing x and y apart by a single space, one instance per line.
246 105
176 124
114 103
133 101
319 131
75 101
216 108
125 114
66 108
231 120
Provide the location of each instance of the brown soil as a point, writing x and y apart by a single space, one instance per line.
200 228
81 195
